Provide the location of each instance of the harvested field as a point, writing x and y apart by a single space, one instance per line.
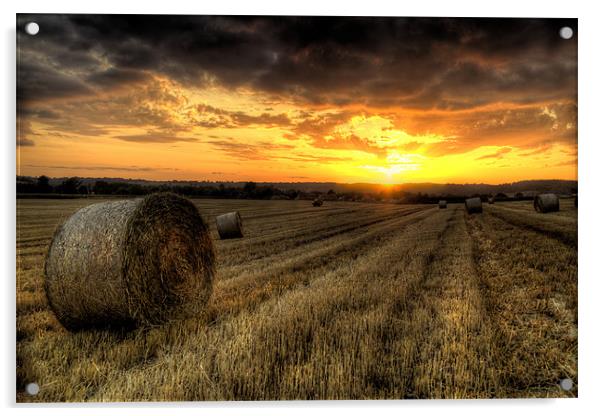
349 301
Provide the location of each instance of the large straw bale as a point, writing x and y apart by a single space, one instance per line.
131 262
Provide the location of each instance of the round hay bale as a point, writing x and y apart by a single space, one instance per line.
491 200
132 262
546 203
442 204
317 203
229 225
473 205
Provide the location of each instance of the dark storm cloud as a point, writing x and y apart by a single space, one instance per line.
36 82
409 62
115 77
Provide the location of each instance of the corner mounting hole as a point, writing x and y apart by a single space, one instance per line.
32 389
32 28
566 32
566 384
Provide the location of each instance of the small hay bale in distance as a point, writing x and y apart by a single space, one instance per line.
229 225
473 205
442 204
546 203
317 202
491 200
133 262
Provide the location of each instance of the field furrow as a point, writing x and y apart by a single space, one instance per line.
319 230
346 301
563 229
529 284
254 284
451 324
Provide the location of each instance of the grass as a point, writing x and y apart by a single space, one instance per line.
346 301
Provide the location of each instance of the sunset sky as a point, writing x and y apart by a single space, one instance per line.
297 99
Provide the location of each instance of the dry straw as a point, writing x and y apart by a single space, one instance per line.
229 225
473 205
131 262
442 204
546 203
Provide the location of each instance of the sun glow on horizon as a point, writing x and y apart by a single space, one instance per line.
217 134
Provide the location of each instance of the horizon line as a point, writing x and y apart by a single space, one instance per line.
299 182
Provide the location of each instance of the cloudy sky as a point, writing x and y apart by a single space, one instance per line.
383 100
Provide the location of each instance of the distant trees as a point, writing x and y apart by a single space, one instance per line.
40 185
26 185
44 184
69 186
250 190
501 197
250 187
102 188
291 194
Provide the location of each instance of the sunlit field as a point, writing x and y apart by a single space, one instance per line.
345 301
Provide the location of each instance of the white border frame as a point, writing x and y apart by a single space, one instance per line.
590 146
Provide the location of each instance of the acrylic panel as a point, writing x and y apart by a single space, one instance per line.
225 208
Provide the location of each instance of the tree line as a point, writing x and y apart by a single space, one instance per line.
75 187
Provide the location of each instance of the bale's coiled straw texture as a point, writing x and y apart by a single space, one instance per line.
474 205
442 204
229 225
546 203
132 262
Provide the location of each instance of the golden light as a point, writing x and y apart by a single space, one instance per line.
396 164
365 147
